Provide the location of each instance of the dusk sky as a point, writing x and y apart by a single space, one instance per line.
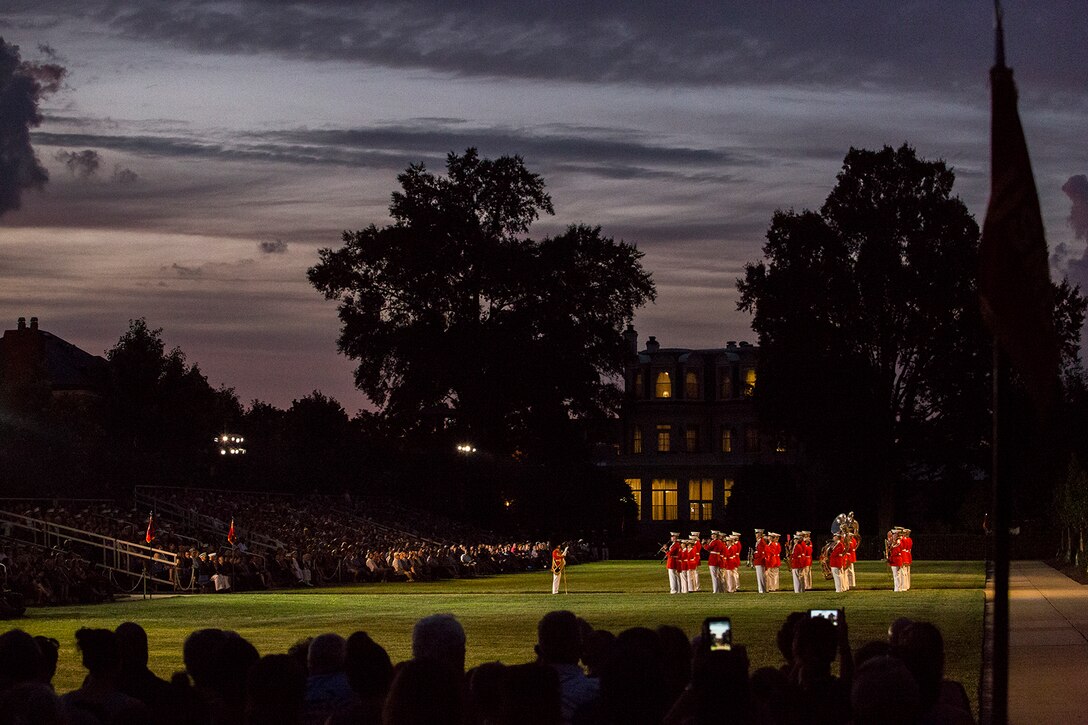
233 140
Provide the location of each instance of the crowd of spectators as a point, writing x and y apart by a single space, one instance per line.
39 575
280 542
575 675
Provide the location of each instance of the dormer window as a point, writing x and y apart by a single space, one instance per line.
663 385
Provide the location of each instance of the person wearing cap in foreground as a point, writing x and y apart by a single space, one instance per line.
672 561
759 561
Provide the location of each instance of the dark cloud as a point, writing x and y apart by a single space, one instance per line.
80 164
22 87
124 175
1076 188
921 43
276 246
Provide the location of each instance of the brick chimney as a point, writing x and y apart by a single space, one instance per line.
651 344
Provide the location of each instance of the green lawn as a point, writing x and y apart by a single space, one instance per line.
500 613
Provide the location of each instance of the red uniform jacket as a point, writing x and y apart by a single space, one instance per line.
716 547
853 553
732 556
759 558
906 544
797 555
808 552
838 556
672 558
773 556
895 554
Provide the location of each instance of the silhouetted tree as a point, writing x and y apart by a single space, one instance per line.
463 325
873 352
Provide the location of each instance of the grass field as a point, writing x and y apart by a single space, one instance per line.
500 613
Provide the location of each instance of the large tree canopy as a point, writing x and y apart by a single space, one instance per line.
461 322
872 346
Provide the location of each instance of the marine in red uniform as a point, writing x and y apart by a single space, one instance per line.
773 561
906 544
715 559
895 557
759 561
851 557
837 557
797 562
672 561
731 564
696 557
808 559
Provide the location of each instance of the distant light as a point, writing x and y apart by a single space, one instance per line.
466 448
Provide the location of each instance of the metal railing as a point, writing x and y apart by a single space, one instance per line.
145 496
117 555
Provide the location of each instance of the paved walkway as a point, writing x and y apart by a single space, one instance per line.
1048 646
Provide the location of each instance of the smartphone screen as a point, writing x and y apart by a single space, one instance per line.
831 614
718 632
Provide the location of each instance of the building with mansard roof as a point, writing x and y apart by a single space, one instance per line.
688 432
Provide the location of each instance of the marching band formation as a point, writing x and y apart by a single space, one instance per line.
837 558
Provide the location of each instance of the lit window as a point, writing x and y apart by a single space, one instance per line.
636 493
691 385
727 440
636 440
751 439
691 439
663 499
727 485
701 499
664 438
640 384
749 382
663 385
725 383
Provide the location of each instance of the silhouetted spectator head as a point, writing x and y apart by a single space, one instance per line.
49 649
921 647
631 678
559 638
132 640
718 677
101 652
275 686
218 661
896 629
775 696
301 651
326 654
884 693
677 659
595 650
425 691
486 687
531 696
367 666
815 641
20 658
784 638
201 655
440 637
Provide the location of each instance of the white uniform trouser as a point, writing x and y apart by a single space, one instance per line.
674 581
850 576
904 577
684 581
798 580
715 580
761 579
557 576
836 574
896 578
736 579
808 577
693 580
772 578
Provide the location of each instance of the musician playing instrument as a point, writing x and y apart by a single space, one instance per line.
895 557
759 560
773 561
672 561
905 544
796 556
694 558
716 558
837 556
559 563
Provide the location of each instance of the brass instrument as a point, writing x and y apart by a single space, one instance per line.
825 559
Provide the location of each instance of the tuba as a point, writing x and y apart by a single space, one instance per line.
825 559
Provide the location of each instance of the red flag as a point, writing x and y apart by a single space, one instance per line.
231 537
1014 273
150 536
